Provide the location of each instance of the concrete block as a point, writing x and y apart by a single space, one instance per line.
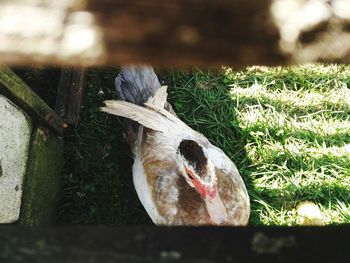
15 133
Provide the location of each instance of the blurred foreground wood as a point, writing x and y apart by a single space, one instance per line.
180 244
174 32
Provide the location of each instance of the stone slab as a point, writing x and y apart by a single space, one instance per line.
15 133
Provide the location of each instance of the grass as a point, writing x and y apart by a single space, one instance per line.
287 130
97 185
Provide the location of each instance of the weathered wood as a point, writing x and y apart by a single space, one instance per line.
161 244
174 32
42 182
70 95
77 95
188 32
14 87
63 92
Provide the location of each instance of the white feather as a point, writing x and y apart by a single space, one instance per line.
142 186
144 192
159 99
145 117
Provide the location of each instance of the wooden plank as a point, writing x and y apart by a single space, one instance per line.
174 33
76 97
42 182
13 86
63 92
179 244
70 94
188 32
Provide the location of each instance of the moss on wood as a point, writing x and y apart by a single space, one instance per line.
43 178
15 87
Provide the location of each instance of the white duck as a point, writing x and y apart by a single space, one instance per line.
179 176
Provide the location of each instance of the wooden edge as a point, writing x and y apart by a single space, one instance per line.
174 244
31 102
43 178
174 33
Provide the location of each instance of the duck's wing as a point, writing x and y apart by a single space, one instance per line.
144 186
236 198
220 160
157 120
171 115
166 196
223 163
155 175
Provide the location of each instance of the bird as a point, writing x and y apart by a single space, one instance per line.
179 176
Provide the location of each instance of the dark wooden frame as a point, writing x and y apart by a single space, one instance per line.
178 244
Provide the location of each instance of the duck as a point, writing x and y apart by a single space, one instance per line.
179 176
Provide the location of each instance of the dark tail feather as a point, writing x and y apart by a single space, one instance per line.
136 84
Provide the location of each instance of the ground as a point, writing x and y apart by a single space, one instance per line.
286 129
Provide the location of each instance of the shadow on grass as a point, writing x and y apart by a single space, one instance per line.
98 186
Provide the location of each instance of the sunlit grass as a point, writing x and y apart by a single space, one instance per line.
287 129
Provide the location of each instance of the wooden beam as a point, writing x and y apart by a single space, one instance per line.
174 32
15 88
188 32
70 94
179 244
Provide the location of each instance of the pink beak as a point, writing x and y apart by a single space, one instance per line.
213 202
215 208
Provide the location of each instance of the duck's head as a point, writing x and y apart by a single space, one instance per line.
196 167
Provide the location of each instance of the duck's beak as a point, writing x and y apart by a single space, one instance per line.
215 207
213 202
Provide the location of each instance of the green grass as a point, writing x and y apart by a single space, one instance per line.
287 130
98 187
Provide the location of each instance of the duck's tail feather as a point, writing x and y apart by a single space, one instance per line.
146 117
136 84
